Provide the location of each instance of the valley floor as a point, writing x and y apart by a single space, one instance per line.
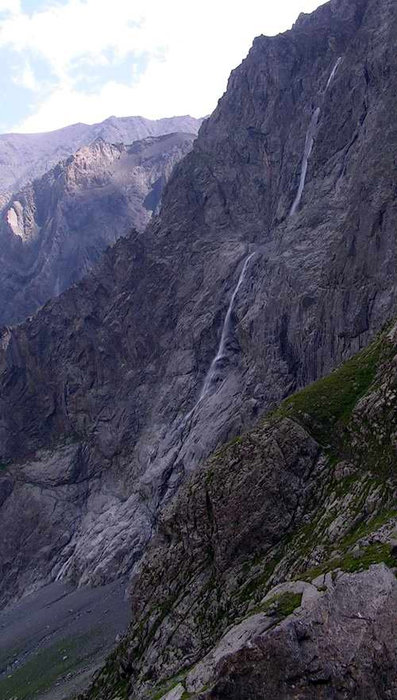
53 640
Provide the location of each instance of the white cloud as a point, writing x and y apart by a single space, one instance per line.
10 6
27 78
190 54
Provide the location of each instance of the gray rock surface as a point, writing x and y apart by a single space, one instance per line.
24 157
271 575
344 647
57 227
175 693
118 362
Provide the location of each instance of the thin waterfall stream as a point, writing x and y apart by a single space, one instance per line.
221 353
332 75
310 134
309 141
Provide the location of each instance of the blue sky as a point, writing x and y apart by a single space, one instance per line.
64 61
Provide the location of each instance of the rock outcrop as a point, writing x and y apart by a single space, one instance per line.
339 640
116 365
57 227
273 571
24 157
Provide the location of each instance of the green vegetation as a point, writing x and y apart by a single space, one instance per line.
162 691
257 582
41 671
168 685
310 535
234 441
111 674
372 554
326 406
376 553
282 605
365 528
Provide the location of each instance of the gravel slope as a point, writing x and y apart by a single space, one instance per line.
52 640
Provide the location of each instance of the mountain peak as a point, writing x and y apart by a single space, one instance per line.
27 156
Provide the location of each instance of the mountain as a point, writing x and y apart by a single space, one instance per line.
24 157
57 227
273 572
272 261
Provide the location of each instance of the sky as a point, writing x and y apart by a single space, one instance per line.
68 61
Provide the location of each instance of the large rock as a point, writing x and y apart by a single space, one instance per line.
344 646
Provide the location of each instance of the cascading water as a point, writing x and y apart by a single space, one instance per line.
306 155
221 354
332 75
310 136
222 349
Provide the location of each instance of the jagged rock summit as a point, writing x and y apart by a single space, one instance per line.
24 157
58 226
106 401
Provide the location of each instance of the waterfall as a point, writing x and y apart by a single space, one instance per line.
222 350
311 131
221 353
310 134
332 74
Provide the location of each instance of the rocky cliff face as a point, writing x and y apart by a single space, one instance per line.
111 394
273 571
24 157
57 227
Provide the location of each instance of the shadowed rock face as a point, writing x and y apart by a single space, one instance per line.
24 157
272 573
117 363
56 228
